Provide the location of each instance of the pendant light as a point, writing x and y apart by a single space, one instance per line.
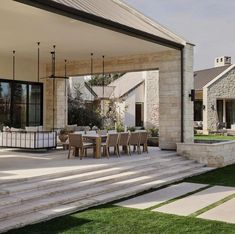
103 90
13 63
65 92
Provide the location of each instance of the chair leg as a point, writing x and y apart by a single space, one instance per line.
117 151
107 151
138 149
69 152
81 153
129 148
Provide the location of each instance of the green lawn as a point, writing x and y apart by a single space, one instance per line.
213 137
115 220
223 176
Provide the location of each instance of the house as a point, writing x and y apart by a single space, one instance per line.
43 42
215 95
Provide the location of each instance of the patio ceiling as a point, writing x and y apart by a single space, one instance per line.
22 26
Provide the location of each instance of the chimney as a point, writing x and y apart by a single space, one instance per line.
222 61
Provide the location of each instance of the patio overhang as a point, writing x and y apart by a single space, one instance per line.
77 33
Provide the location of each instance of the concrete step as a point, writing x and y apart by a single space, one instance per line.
60 209
23 205
85 183
92 169
60 179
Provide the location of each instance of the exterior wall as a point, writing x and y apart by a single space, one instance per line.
129 115
151 103
223 88
214 155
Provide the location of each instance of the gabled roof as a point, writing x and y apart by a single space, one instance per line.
127 83
103 92
122 14
203 77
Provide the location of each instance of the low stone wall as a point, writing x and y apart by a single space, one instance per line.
213 155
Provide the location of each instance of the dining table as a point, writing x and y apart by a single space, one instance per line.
97 140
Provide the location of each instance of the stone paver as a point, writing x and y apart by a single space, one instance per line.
224 212
197 201
160 196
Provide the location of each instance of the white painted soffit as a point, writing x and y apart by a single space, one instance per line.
22 26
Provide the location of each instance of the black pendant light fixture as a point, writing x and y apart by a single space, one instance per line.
13 63
103 89
65 92
92 66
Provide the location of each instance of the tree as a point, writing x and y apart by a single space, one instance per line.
98 80
77 111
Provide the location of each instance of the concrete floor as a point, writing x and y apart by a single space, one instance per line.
19 164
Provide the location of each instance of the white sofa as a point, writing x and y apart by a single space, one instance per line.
28 140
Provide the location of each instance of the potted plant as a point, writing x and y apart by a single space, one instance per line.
63 135
153 139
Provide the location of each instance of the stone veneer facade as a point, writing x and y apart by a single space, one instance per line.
151 99
169 64
222 88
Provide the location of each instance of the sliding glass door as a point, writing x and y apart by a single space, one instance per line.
21 104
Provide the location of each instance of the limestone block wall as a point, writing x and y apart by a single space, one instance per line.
223 88
188 86
213 155
151 99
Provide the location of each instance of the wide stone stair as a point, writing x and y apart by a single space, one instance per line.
24 202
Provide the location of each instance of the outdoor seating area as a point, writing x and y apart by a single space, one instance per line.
103 141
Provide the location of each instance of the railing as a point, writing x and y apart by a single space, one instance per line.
29 140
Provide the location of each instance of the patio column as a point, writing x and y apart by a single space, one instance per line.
60 104
170 106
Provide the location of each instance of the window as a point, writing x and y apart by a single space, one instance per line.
220 110
198 110
139 114
20 103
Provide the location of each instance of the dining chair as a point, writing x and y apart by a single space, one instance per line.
76 143
143 141
111 141
123 141
134 140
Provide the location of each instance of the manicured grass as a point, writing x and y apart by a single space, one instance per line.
214 137
115 220
223 176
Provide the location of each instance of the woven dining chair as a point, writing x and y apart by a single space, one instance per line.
76 143
112 141
143 141
123 141
134 140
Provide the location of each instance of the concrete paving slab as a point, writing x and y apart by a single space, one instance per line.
160 196
197 201
224 212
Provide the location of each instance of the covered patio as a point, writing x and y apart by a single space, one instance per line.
128 41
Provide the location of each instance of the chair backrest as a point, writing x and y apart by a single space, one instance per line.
75 140
123 138
112 139
134 138
143 137
102 132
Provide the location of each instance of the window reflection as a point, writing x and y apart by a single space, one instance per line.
20 104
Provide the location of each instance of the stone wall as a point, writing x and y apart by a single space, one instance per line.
151 99
223 88
213 155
